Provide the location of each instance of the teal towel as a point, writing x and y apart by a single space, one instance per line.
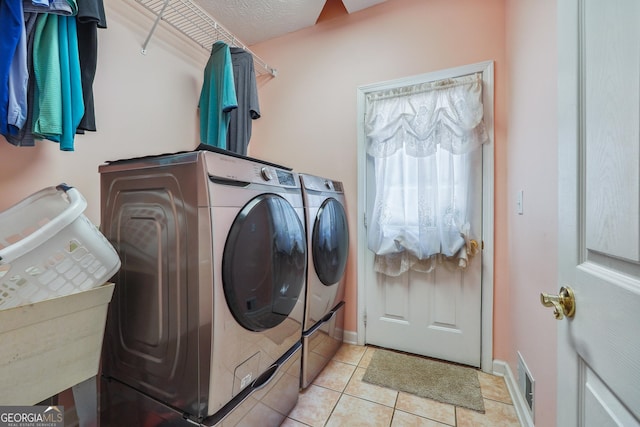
72 102
47 114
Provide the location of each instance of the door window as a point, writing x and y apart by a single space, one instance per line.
421 138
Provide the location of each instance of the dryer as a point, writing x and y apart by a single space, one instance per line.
328 247
205 323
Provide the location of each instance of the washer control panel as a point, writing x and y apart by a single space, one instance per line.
266 173
247 171
286 178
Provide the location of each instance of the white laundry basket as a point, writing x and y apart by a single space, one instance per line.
48 248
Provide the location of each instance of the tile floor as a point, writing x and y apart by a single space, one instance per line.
338 397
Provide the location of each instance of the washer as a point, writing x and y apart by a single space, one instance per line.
328 247
206 319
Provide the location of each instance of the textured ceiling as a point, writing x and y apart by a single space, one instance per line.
254 21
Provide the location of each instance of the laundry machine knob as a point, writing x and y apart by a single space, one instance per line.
327 184
266 174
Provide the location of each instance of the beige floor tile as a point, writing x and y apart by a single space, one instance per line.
335 375
357 388
493 387
353 412
288 422
427 408
496 414
338 397
314 405
366 358
404 419
349 353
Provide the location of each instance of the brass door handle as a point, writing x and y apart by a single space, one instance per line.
564 303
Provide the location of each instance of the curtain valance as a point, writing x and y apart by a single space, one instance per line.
420 117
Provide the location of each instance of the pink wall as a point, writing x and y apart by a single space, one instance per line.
532 167
146 104
309 109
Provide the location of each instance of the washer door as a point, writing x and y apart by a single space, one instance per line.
330 242
264 262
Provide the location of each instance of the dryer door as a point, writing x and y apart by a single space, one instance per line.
329 247
264 262
330 242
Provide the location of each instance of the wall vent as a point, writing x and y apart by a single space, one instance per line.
526 383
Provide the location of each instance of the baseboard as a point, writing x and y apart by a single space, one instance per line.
350 337
502 369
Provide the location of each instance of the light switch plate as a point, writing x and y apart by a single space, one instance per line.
519 202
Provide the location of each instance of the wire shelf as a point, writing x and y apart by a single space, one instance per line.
190 20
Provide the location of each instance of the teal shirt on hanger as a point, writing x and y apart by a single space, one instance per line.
217 97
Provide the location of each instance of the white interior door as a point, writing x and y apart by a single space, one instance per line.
436 314
599 228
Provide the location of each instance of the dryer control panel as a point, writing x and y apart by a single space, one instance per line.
316 183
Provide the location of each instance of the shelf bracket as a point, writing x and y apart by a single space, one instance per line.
193 22
153 28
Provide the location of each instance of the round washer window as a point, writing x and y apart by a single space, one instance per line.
264 262
330 242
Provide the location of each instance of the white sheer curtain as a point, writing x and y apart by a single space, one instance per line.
421 137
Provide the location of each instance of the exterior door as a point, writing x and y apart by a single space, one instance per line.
436 314
599 228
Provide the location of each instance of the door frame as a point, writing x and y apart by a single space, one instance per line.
568 161
486 68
